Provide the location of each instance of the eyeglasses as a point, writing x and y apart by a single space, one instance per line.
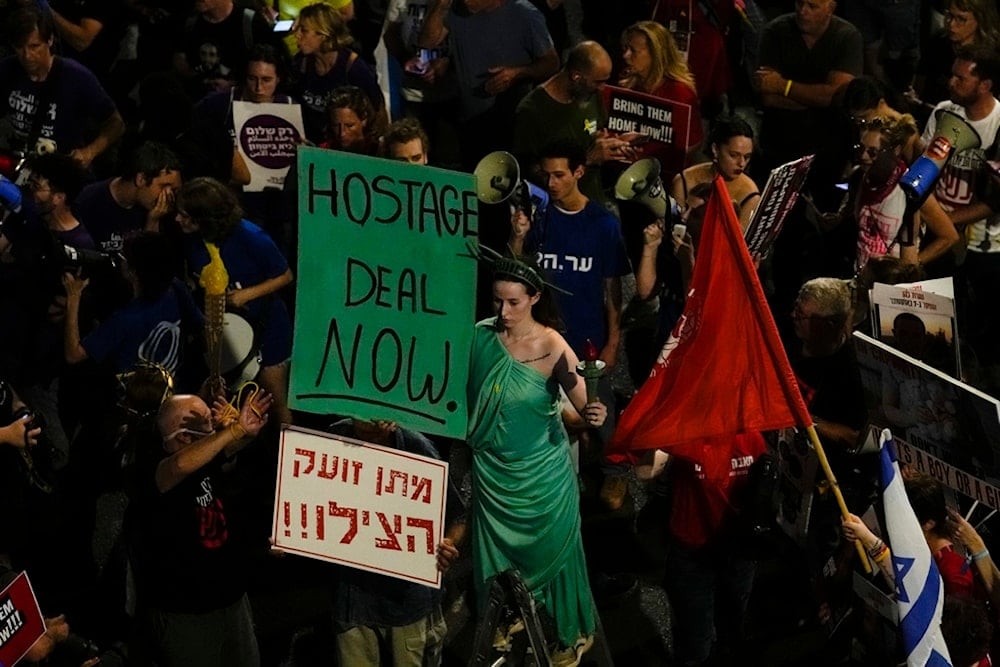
956 18
799 316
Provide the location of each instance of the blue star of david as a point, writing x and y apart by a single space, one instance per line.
937 660
901 566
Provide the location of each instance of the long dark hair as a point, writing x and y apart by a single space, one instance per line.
544 311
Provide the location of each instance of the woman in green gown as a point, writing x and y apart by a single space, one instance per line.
525 498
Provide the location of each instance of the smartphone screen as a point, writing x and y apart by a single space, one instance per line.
283 25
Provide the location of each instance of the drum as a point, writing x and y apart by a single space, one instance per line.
240 352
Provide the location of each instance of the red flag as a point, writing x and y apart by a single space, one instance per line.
723 371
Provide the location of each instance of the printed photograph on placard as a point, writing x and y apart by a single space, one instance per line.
918 323
798 464
948 419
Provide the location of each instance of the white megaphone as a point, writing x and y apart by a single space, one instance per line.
498 179
497 176
641 183
953 135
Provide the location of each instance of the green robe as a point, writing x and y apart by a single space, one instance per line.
525 498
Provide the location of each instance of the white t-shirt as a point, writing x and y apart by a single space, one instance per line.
956 187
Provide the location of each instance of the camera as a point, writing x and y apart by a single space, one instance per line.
35 420
11 163
38 463
80 258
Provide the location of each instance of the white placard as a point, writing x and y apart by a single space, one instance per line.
361 505
267 136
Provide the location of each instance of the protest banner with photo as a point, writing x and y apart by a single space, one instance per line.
21 622
776 201
357 504
985 493
928 409
797 464
267 136
918 323
659 119
386 291
941 286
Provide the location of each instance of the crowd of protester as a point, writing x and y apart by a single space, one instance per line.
122 187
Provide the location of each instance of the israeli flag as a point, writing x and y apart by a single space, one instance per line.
919 591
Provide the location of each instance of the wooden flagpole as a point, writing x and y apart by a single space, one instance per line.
828 471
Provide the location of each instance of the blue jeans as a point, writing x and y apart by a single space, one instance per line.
695 580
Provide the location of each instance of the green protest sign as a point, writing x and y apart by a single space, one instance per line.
386 290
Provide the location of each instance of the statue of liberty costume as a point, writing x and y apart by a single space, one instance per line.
525 499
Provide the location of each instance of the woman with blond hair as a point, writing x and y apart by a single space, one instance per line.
865 101
324 62
654 66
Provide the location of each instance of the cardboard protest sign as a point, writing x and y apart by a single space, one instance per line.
776 201
267 136
797 463
941 286
939 415
21 622
386 291
918 323
660 119
980 490
361 505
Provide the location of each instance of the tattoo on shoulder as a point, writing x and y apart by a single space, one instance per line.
529 361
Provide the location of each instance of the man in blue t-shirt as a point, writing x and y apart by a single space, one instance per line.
580 246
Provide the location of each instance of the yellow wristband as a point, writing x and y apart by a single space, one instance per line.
237 431
788 87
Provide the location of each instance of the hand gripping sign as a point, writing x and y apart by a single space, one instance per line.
267 136
361 505
21 623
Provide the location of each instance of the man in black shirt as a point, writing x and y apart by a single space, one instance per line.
191 579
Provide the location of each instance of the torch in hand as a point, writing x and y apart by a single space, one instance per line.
591 369
214 280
